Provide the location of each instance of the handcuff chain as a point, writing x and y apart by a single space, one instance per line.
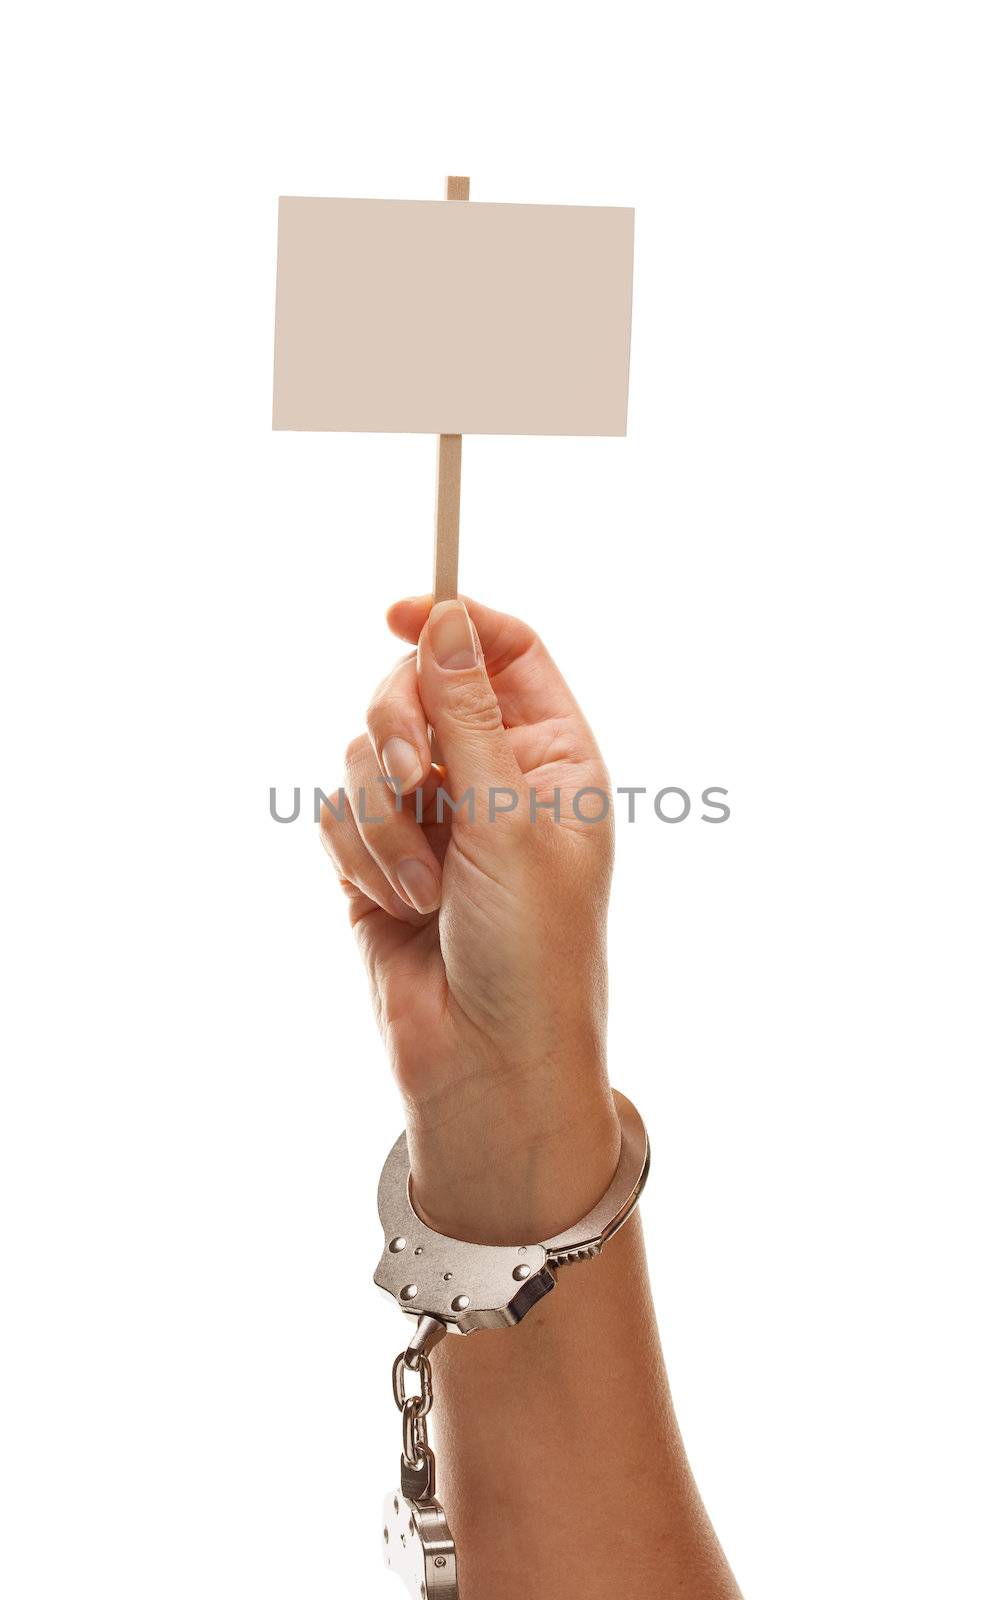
420 1365
414 1407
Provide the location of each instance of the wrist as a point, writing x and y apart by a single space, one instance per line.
511 1168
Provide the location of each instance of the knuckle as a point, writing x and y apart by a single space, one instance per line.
383 716
327 837
473 705
333 815
391 694
378 704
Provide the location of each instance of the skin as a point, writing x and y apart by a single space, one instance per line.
560 1463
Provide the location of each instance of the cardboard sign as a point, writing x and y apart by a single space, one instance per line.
452 317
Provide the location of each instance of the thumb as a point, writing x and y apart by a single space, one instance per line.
462 707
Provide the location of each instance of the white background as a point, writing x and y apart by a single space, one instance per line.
777 582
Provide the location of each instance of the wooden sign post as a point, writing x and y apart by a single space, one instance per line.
447 508
424 316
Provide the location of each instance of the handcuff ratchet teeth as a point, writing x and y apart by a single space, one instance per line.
470 1286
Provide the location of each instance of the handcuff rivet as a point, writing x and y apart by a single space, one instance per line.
409 1291
448 1276
397 1244
521 1272
460 1302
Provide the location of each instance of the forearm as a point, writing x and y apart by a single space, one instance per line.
559 1458
560 1462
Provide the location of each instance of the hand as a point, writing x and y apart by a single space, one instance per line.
485 934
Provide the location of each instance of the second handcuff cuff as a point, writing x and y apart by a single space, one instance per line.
449 1286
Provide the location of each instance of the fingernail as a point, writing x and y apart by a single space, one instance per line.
401 761
419 885
451 636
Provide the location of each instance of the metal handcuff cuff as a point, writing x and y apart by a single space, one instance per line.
449 1286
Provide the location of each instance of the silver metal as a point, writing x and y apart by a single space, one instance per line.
417 1481
587 1238
452 1286
425 1399
428 1335
415 1444
417 1460
417 1546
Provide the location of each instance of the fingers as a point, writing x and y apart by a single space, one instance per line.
461 704
361 877
397 728
503 637
389 832
498 706
379 845
528 685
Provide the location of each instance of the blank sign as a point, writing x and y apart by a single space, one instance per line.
449 316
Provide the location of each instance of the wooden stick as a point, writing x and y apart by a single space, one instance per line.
449 480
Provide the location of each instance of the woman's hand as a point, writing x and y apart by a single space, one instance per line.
485 938
484 933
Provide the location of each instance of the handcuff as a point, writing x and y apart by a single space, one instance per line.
448 1286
